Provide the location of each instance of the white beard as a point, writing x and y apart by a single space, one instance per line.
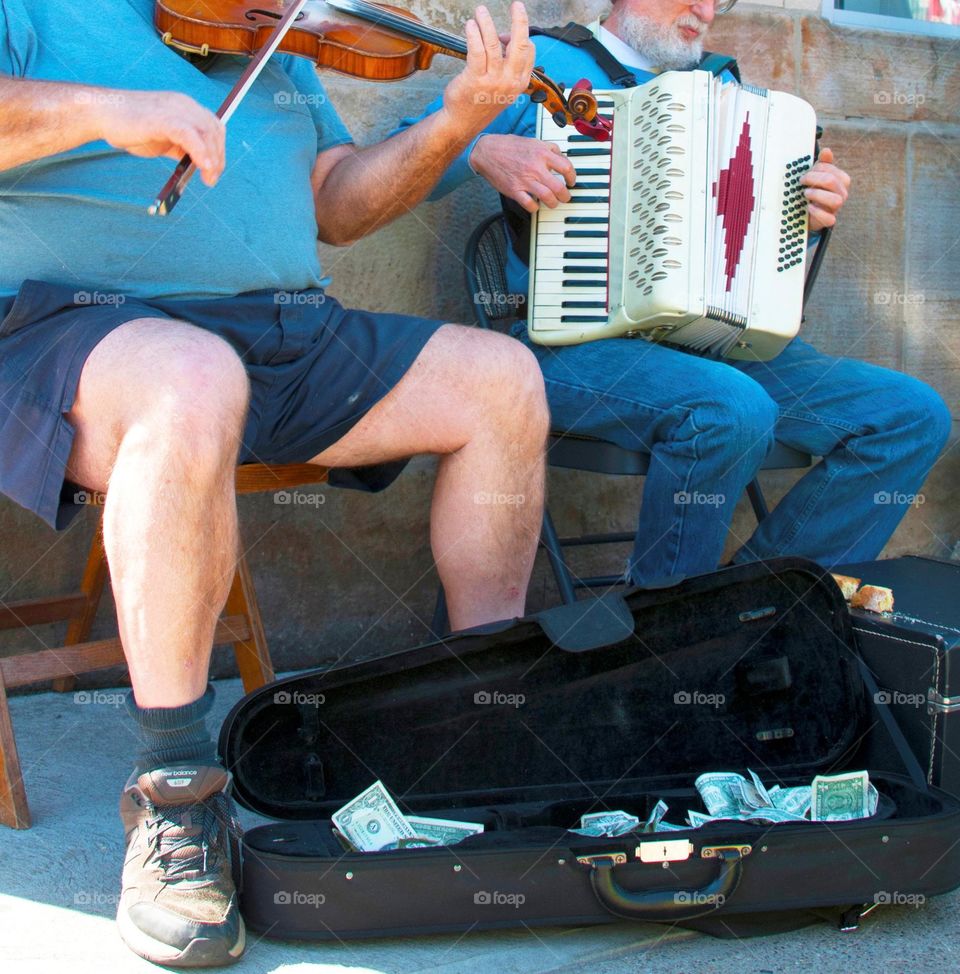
663 45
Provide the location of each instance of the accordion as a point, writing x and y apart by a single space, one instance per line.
689 226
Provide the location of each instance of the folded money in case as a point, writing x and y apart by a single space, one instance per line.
525 726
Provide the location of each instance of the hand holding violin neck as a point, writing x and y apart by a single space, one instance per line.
493 78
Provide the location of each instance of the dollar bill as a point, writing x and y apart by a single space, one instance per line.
873 799
841 797
607 823
721 791
445 831
762 795
653 819
696 819
795 800
372 820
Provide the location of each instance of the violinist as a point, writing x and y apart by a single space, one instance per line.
144 358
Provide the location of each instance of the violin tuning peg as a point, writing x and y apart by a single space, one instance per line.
560 118
539 96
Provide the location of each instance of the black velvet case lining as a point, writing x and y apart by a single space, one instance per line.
751 666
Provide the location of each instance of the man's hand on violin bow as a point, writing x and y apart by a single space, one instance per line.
524 169
493 78
164 123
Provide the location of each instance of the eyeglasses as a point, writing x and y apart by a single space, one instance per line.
719 6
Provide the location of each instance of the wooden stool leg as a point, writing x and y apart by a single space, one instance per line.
253 656
14 810
94 578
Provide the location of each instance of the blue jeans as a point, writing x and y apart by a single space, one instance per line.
708 426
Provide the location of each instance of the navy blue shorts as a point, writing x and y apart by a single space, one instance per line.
315 369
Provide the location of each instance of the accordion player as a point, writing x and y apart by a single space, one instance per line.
688 227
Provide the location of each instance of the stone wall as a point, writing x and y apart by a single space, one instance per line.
352 575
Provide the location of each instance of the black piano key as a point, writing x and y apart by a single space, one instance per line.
579 185
599 234
584 269
592 172
590 199
583 304
582 319
579 254
602 283
585 219
593 150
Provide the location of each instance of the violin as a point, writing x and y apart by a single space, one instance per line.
399 45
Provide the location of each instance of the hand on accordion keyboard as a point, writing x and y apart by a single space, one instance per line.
827 187
524 169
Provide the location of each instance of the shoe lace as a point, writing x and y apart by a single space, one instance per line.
191 841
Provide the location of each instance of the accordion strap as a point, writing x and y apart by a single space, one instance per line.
582 37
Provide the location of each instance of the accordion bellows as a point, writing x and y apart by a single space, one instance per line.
689 227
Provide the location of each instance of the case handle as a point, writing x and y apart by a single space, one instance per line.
667 904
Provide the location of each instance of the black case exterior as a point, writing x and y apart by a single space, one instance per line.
915 656
610 704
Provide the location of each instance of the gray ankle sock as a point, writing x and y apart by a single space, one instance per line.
173 735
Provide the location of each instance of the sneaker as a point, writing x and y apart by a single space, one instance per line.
178 903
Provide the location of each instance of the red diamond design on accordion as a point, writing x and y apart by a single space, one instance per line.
735 201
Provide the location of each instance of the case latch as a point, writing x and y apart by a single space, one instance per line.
666 850
715 851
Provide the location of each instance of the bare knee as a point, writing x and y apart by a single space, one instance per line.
501 381
159 387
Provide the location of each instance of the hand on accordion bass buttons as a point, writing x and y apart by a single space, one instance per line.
827 188
526 170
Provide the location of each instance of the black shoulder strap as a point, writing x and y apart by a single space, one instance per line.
718 63
582 37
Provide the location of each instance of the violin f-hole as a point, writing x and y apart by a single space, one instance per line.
270 14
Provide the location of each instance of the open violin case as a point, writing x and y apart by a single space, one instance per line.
610 704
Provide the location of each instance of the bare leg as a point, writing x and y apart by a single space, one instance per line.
476 398
159 412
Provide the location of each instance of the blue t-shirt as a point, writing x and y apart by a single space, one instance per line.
80 218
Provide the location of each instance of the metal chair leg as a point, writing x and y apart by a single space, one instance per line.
759 505
440 625
551 542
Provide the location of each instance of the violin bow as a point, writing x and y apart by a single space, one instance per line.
170 195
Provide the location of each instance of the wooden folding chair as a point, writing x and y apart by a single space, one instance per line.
240 626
